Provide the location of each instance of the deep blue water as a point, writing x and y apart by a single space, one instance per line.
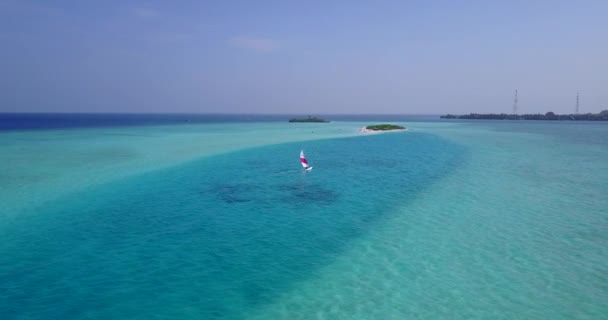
40 121
29 121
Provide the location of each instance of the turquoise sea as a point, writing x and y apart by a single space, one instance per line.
215 219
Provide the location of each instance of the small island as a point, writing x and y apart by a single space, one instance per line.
602 116
384 127
381 128
309 119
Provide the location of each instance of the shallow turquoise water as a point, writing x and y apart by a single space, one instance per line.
458 221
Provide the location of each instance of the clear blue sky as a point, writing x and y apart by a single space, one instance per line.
414 57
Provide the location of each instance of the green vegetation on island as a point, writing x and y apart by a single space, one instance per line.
602 116
384 127
309 119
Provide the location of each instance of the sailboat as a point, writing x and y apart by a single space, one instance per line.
305 164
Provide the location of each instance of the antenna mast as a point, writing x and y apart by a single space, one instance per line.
515 103
577 106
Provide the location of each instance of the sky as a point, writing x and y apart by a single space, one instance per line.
303 57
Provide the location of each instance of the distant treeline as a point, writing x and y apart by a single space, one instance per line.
309 119
602 116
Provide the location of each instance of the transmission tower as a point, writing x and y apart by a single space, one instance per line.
577 105
515 103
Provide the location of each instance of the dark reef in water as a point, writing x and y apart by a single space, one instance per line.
238 193
602 116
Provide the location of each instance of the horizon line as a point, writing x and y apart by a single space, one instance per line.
220 113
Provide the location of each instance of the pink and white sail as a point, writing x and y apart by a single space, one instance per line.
304 161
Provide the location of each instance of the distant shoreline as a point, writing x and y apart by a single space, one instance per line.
309 120
602 116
